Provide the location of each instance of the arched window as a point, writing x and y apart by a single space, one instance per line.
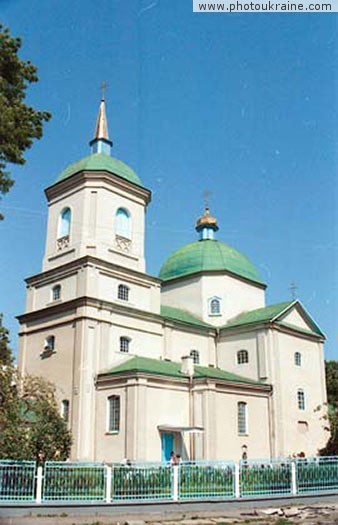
298 359
242 357
301 399
56 292
195 356
124 344
65 409
123 223
215 306
123 292
49 343
242 418
113 414
64 223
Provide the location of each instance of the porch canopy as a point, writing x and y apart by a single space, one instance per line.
174 428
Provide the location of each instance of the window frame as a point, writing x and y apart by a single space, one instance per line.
195 356
211 303
301 400
123 226
49 345
123 292
56 292
124 340
112 427
242 357
242 418
64 231
297 359
65 405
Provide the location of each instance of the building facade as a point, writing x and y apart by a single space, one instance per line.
192 361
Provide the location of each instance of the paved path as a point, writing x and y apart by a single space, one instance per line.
298 510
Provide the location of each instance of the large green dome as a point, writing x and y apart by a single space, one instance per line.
208 255
101 162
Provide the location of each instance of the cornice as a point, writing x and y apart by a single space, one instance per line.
87 260
111 179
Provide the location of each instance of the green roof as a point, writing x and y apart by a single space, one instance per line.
208 255
274 313
259 315
172 369
168 312
101 162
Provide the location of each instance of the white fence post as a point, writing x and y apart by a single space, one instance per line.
175 477
39 485
293 478
108 483
237 481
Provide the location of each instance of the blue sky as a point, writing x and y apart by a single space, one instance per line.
242 105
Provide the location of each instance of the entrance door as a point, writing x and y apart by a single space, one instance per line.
167 439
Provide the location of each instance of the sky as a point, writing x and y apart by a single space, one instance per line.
241 105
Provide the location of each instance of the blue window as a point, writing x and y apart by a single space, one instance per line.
123 223
64 223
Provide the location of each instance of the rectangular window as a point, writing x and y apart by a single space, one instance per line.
242 418
114 414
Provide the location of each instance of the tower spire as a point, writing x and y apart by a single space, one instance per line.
101 142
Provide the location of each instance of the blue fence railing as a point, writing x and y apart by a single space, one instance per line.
23 481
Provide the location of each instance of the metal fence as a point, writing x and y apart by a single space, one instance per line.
146 481
23 481
321 473
17 480
66 481
206 480
264 477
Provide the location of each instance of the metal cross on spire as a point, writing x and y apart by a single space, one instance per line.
104 86
293 288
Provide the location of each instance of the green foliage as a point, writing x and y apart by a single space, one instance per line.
31 426
20 123
12 433
331 371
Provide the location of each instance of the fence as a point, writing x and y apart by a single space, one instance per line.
80 482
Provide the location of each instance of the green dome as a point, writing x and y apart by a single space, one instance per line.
208 255
101 162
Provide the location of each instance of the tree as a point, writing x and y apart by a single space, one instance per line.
331 372
20 123
12 433
30 424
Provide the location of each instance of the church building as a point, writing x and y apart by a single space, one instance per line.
191 361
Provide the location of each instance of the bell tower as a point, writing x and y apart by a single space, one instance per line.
97 207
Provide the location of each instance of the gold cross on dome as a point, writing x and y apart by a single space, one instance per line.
206 195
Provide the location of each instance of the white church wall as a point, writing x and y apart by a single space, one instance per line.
183 341
74 200
194 294
168 405
236 296
110 446
41 295
227 354
228 441
299 430
184 294
144 296
56 366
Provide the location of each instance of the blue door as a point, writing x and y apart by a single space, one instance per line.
167 445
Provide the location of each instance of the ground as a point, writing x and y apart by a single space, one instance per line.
311 514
